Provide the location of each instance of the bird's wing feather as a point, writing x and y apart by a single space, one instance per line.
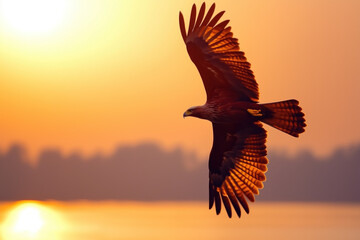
237 165
216 54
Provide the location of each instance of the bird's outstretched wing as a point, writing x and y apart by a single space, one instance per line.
237 165
216 54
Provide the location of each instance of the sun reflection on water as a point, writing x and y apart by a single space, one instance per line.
105 220
30 220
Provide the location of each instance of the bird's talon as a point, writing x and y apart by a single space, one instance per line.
255 112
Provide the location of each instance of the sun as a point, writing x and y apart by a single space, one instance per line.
31 220
33 17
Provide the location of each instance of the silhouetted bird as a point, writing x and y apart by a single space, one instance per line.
238 156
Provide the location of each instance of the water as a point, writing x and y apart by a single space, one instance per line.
186 220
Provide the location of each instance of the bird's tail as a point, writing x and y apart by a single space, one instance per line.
285 116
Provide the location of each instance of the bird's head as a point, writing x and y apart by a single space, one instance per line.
193 112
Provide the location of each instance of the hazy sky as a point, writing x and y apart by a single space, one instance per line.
103 73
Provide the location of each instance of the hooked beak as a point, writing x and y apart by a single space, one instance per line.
187 113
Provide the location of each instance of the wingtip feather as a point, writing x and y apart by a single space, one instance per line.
208 15
200 16
216 19
182 25
217 202
211 196
227 205
192 18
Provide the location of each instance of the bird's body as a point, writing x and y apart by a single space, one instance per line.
237 161
226 111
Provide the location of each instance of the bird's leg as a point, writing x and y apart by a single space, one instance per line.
255 112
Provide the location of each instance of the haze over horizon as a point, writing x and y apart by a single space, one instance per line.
146 173
33 157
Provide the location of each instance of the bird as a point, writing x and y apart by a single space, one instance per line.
238 157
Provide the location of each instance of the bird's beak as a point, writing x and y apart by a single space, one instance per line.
187 113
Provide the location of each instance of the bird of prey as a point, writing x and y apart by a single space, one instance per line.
237 161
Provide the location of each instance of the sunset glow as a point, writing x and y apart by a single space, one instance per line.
88 76
31 220
33 16
94 144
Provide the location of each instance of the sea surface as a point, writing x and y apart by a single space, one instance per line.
107 220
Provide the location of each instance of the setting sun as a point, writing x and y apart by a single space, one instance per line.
31 220
33 16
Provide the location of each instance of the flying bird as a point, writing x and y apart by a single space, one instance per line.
237 161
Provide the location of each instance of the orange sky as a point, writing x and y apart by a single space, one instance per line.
117 72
